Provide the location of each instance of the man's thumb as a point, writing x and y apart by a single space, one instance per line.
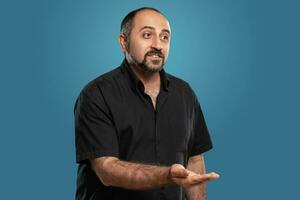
178 171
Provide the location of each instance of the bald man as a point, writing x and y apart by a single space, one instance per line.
140 132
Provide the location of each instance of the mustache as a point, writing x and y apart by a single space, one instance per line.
155 52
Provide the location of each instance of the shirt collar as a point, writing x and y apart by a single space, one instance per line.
136 83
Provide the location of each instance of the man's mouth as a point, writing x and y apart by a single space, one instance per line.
155 55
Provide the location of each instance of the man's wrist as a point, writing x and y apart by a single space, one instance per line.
169 176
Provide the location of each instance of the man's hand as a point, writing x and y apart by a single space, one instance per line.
185 178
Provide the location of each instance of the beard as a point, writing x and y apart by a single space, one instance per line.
149 65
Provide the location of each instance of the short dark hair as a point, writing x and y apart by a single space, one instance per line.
126 25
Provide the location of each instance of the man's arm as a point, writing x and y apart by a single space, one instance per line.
196 165
114 172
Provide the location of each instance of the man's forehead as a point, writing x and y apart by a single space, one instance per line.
150 18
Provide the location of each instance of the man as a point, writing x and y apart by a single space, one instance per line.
140 132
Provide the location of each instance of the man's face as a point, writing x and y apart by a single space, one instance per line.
149 41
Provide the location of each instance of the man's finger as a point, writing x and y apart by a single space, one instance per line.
200 178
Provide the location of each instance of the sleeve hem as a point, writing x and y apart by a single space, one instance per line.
84 157
201 149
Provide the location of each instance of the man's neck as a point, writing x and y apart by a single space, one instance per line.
151 80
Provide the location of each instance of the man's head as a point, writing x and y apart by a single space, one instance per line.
145 38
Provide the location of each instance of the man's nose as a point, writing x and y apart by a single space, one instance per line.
156 43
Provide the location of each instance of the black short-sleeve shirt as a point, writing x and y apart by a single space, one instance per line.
115 117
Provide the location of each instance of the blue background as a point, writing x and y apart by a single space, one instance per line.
241 57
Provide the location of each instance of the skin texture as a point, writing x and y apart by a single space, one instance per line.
147 49
150 32
114 172
196 165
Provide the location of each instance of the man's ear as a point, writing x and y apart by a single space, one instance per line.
123 42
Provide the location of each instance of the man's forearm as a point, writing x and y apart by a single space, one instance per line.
134 175
196 192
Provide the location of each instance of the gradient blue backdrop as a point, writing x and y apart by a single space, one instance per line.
241 57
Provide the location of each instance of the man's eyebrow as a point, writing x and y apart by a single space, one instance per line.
147 27
152 28
166 30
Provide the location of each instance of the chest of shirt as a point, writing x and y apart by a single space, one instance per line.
145 133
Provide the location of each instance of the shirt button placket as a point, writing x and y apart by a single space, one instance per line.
156 137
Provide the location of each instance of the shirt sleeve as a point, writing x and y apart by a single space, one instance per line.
95 133
201 140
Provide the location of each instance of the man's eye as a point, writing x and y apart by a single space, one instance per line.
165 37
146 35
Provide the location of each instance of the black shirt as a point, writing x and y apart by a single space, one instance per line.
115 117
